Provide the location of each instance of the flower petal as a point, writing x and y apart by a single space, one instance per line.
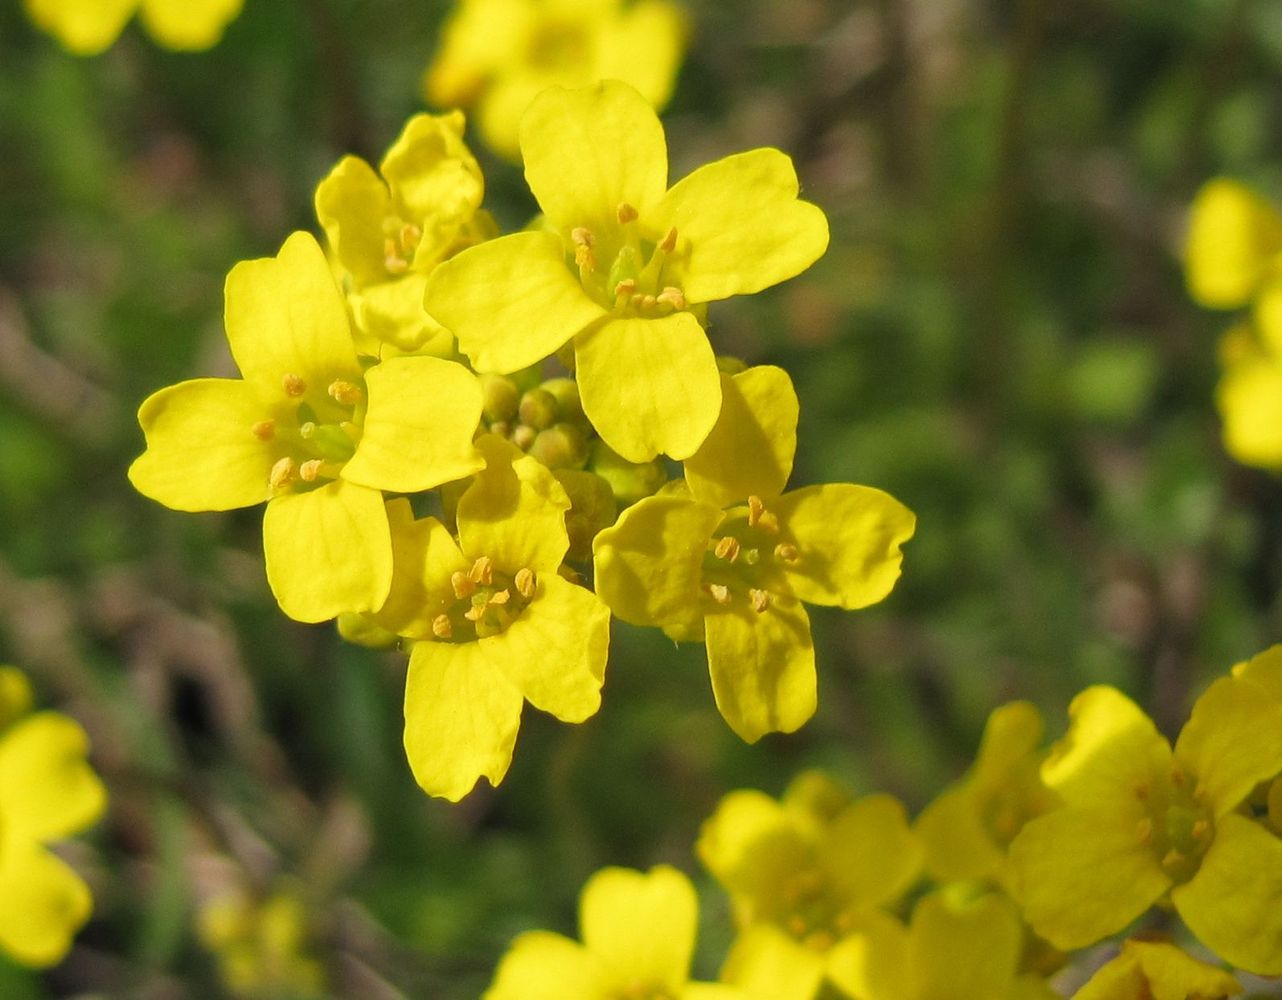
191 24
649 564
555 652
762 667
42 904
1249 398
870 851
461 718
47 788
328 551
84 27
1158 970
848 540
424 556
545 966
285 316
872 962
642 46
1233 233
740 227
418 429
964 948
514 510
751 447
510 302
642 925
202 453
765 962
351 204
1231 904
958 847
587 151
754 847
435 179
649 386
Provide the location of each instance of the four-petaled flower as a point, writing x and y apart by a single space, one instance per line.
86 27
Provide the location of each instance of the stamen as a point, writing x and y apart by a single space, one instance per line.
1173 858
525 582
670 241
482 571
584 258
755 509
441 627
476 612
720 593
307 430
410 236
345 393
392 259
463 585
626 213
309 470
1177 776
282 474
294 385
623 292
264 430
797 925
672 296
523 436
500 597
787 552
727 548
1144 830
760 600
1200 829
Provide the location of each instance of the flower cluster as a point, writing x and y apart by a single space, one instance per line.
48 792
1032 855
87 27
454 430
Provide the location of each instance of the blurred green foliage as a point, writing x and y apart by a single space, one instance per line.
999 336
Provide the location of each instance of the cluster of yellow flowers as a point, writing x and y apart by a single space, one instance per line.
445 423
87 27
1033 854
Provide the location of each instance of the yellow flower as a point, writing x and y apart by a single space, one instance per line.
1249 393
498 55
970 825
47 791
310 432
804 875
1141 820
1234 245
387 230
638 933
262 946
1156 970
736 578
86 27
956 945
626 265
494 623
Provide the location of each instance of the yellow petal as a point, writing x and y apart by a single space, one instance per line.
1012 735
762 667
392 313
642 925
461 718
1231 904
1233 234
351 204
42 904
202 453
545 966
419 426
588 151
510 302
85 27
555 652
1155 970
649 386
15 696
870 851
47 788
713 991
1265 670
642 46
958 847
963 948
750 449
285 315
754 848
479 37
514 511
648 566
872 962
1083 873
188 24
848 540
328 551
424 556
740 227
1249 398
765 962
434 177
499 113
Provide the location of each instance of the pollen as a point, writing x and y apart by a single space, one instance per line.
626 213
727 548
759 517
584 257
525 583
482 571
345 393
672 296
720 593
309 470
283 473
760 600
264 430
787 552
293 385
441 627
462 585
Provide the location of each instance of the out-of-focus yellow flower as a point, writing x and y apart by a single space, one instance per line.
697 563
1157 970
626 265
970 825
310 432
1140 820
638 933
805 874
956 945
494 623
262 946
498 55
48 791
1249 394
87 27
1234 246
387 230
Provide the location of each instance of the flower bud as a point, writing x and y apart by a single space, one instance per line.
592 509
566 393
561 446
500 396
538 409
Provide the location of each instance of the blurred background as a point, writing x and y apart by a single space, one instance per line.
999 336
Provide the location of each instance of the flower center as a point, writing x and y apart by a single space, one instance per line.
745 558
634 282
1179 826
400 242
319 439
486 602
811 912
556 44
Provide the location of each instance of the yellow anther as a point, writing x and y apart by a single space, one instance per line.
309 470
1200 829
648 302
525 583
476 612
283 473
1177 775
720 593
787 552
582 237
797 925
1144 830
462 584
626 213
623 292
500 597
441 627
482 571
584 258
755 510
669 241
264 430
392 259
759 599
293 385
351 430
410 235
844 921
1173 858
820 941
345 393
635 300
727 548
673 297
768 522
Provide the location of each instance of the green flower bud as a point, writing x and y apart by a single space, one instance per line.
630 481
501 398
566 393
538 409
561 446
592 509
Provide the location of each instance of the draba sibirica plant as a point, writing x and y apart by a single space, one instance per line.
87 27
453 431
